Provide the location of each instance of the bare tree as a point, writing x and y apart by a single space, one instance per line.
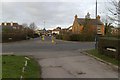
25 25
33 26
115 11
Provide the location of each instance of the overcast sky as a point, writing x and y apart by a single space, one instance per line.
53 13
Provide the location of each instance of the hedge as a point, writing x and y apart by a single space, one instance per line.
76 37
10 37
109 42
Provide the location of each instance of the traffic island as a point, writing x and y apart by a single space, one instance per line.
20 67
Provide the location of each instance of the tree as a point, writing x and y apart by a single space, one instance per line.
108 29
33 26
86 27
86 24
115 12
26 28
25 25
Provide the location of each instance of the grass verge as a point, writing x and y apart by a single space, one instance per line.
95 53
12 67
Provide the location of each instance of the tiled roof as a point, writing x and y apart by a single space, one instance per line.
89 21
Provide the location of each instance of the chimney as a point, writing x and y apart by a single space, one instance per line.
11 23
76 16
98 17
5 24
88 15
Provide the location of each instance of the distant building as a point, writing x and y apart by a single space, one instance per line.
56 31
42 31
11 25
94 25
62 31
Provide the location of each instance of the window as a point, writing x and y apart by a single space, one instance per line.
14 27
99 29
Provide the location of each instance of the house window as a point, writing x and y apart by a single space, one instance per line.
14 27
99 29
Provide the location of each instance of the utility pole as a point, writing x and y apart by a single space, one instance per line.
118 14
96 8
44 27
44 24
96 37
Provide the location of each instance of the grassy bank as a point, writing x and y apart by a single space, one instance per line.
12 67
103 57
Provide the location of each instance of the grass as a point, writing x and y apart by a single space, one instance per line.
12 67
103 57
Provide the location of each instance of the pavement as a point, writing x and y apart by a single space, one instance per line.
63 59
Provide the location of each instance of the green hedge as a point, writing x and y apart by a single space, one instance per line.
76 37
14 37
109 42
81 37
59 36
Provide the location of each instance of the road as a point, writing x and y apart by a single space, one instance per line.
62 59
36 45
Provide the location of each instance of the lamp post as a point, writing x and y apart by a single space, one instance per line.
96 37
44 28
96 40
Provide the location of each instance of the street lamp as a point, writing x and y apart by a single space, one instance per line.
96 37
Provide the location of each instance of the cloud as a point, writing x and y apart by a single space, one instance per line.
53 0
53 13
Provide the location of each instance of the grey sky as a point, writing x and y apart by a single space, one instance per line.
53 13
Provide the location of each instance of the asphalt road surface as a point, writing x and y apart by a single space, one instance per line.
62 59
36 45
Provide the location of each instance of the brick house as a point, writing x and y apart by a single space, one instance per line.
11 25
94 25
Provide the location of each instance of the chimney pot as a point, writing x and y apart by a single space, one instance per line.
76 16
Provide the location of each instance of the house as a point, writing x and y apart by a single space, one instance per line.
94 25
11 25
42 31
65 30
56 31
